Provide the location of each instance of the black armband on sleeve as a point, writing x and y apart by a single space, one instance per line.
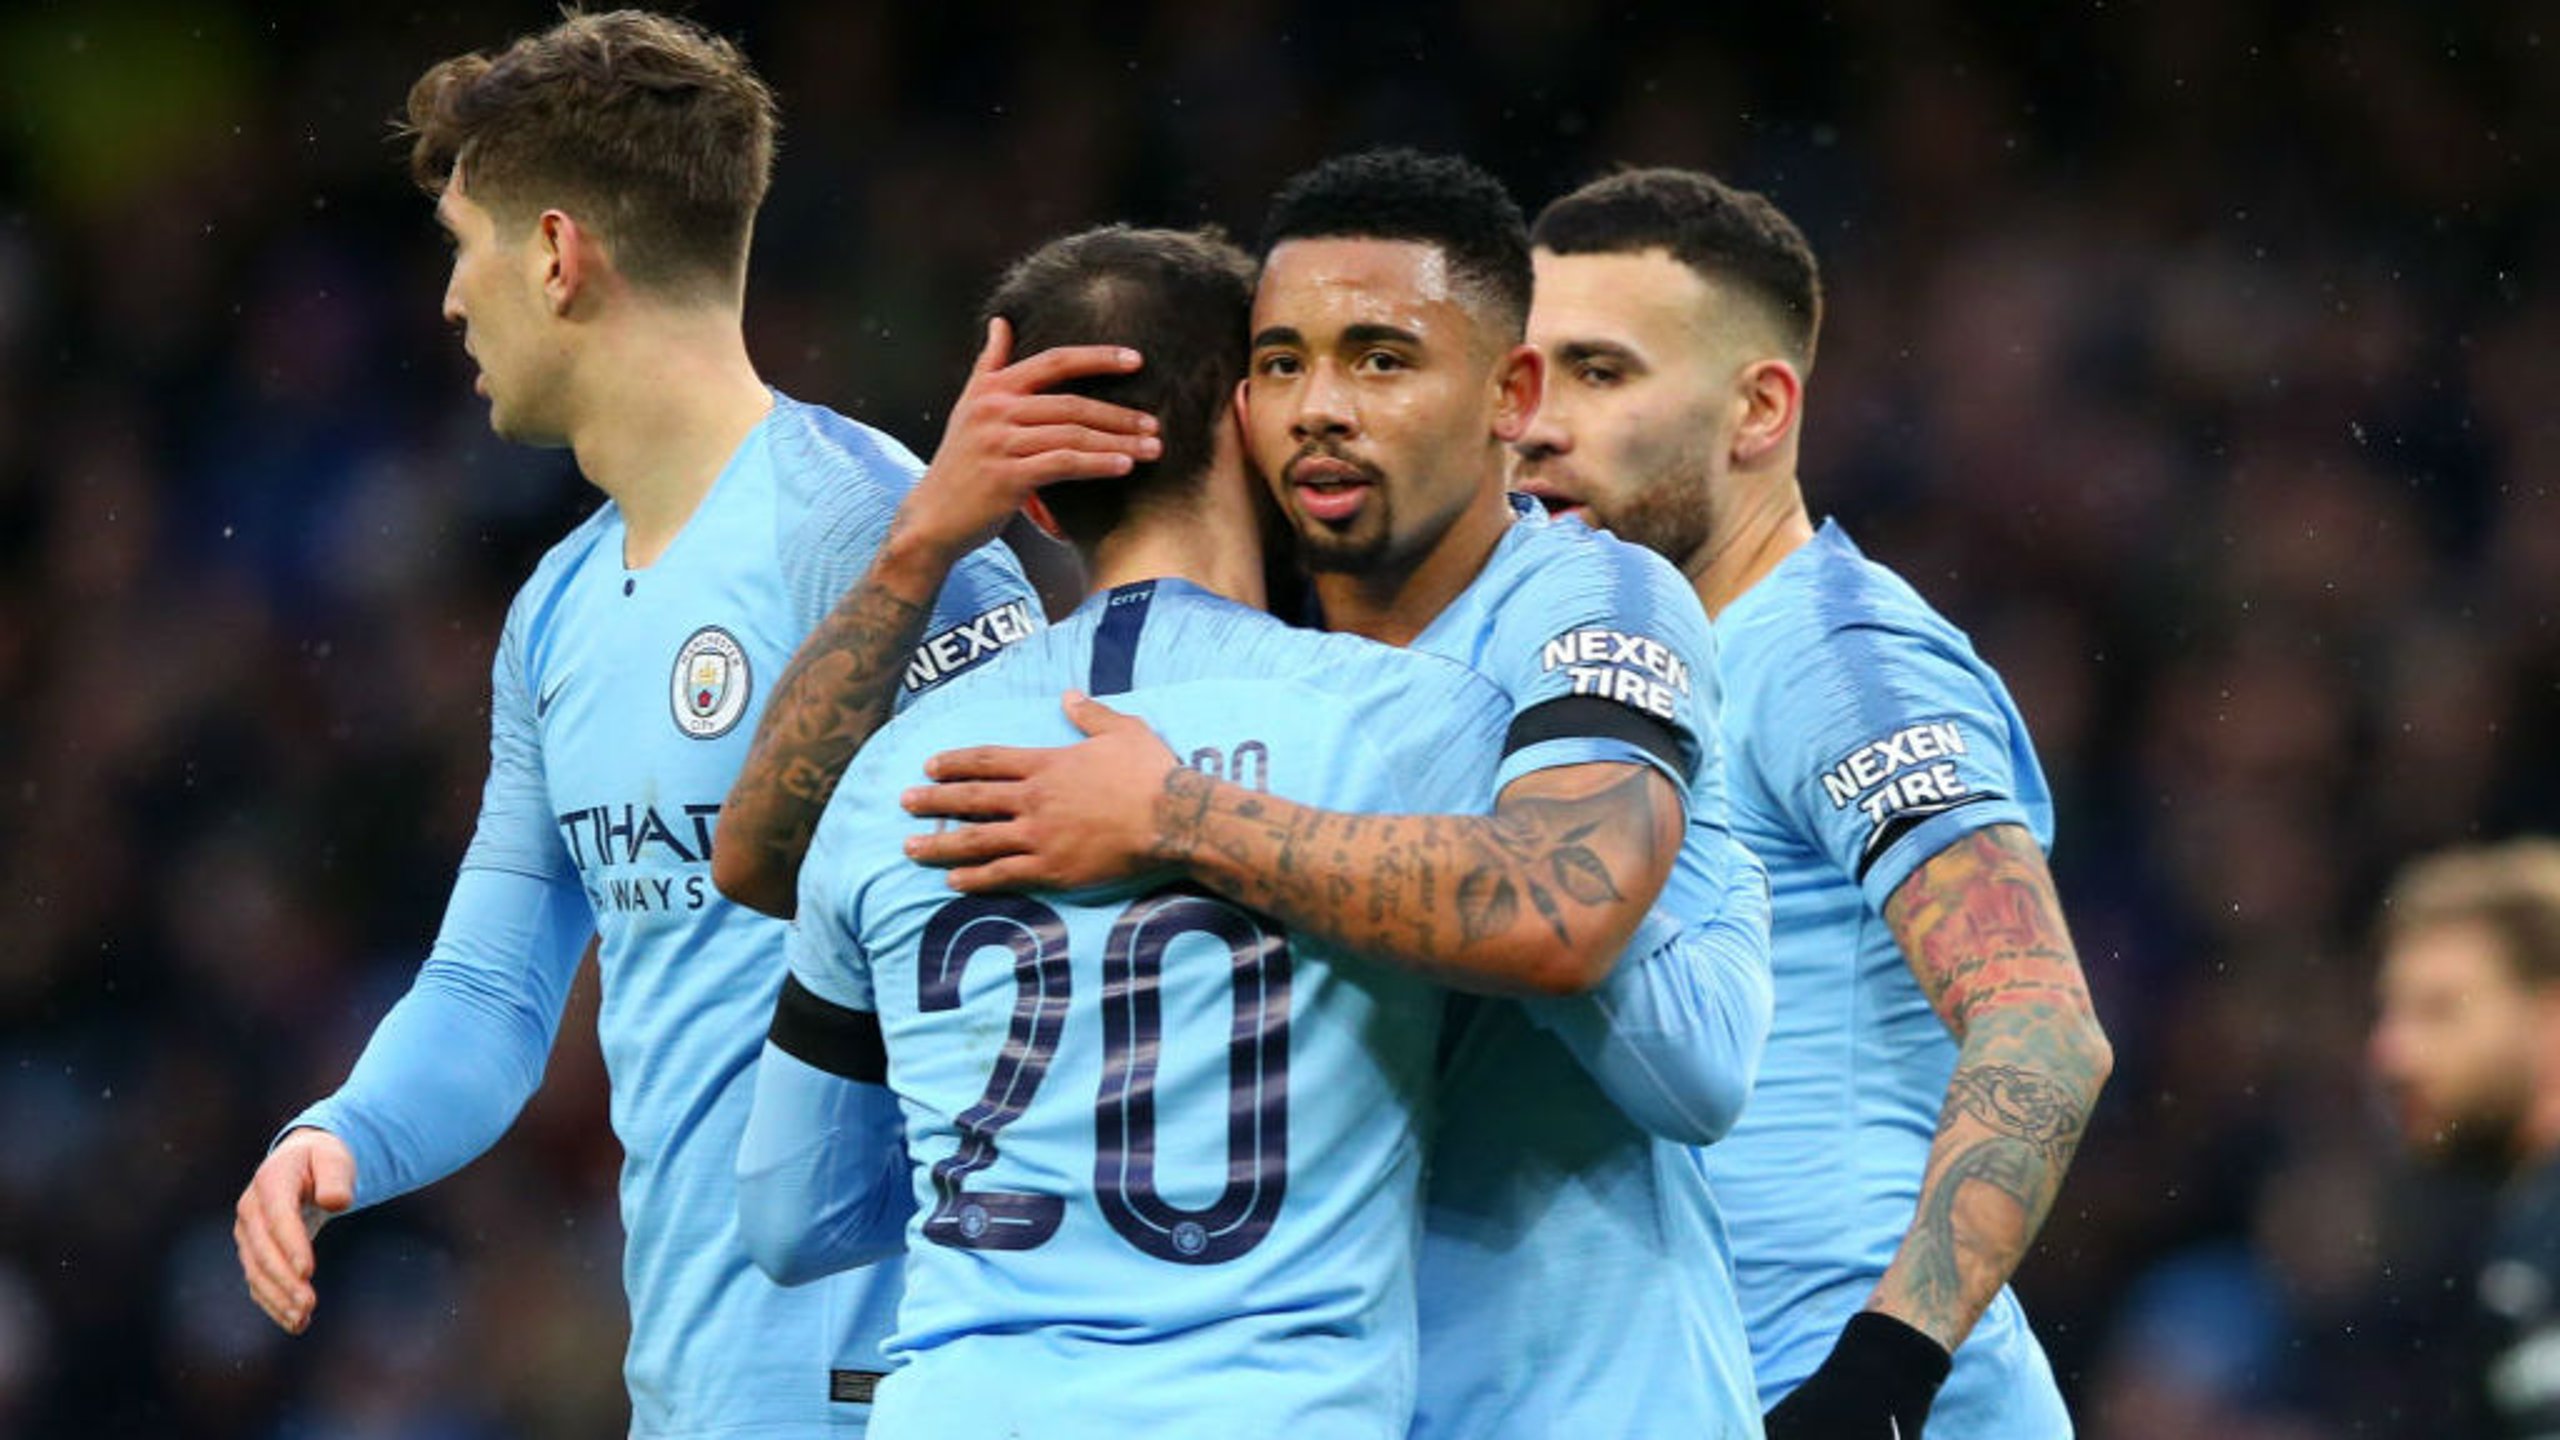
1589 716
835 1038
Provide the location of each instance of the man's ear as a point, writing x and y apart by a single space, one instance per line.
565 257
1771 395
1520 382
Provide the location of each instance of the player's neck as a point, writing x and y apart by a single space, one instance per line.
1394 606
1215 543
1202 555
1769 524
666 403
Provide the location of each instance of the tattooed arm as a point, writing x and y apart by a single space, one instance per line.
1984 934
1007 437
1537 898
840 686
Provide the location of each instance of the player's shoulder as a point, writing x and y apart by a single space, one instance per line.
547 585
1541 556
822 458
1829 597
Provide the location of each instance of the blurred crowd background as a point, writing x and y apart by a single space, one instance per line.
2201 359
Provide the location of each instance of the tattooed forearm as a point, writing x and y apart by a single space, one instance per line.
1537 897
1985 937
839 688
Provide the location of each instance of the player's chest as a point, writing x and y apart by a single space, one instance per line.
647 685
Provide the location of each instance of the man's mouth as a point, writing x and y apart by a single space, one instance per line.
1330 488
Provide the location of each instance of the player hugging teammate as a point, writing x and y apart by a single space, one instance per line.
1192 1023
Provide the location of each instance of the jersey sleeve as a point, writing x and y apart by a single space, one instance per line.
985 605
449 1068
1885 748
1674 1035
516 831
822 1167
1607 657
824 945
1439 729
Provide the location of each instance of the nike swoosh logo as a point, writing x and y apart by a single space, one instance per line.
542 707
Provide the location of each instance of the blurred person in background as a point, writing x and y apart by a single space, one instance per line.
1935 1056
2467 1048
599 183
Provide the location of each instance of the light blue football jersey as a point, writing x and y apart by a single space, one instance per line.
1167 1157
1865 736
1575 1276
624 703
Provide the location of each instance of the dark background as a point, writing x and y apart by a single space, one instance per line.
2198 358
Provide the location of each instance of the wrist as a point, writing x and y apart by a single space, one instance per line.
1180 812
913 562
1900 1359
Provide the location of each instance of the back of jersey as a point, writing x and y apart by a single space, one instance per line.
1167 1160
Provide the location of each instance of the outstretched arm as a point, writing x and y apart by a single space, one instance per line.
1006 438
443 1077
1537 898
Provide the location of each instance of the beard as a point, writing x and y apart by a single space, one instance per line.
1670 515
1359 545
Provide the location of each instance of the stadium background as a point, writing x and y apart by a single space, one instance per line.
2196 357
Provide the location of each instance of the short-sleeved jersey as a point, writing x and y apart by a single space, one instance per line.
1167 1157
1865 736
625 700
1575 1275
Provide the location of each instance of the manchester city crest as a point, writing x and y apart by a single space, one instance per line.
711 683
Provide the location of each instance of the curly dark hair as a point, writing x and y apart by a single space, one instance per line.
1438 200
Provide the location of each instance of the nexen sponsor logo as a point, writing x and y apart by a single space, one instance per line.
948 652
1910 768
1634 670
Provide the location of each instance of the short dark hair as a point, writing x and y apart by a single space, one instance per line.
1724 233
1181 298
2512 889
1437 200
649 127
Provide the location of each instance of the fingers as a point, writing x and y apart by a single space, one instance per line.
998 349
262 1268
1083 410
1093 717
983 762
275 1248
964 800
333 1178
1039 439
1071 362
1018 872
967 845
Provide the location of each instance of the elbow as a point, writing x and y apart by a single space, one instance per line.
747 876
2099 1054
792 1248
1560 971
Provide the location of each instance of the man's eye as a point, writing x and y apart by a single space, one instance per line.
1276 365
1597 375
1381 360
